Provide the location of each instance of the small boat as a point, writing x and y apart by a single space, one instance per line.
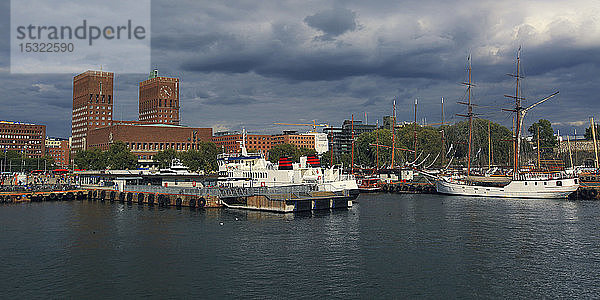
176 168
369 185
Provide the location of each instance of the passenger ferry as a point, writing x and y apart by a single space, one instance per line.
253 170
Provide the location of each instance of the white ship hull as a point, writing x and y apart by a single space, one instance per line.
540 189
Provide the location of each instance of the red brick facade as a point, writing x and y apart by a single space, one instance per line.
59 150
231 143
159 100
92 105
146 140
27 139
263 143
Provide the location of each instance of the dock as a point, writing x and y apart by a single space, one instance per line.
286 199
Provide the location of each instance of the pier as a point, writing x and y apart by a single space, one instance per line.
286 199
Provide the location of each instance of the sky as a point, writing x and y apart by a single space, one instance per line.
252 63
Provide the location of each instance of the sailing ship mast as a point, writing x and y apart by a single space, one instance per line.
415 133
443 138
518 109
393 133
352 157
520 112
469 113
593 126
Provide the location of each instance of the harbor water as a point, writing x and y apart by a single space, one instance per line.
386 246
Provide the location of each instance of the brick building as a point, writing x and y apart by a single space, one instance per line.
92 105
159 99
146 140
230 142
292 137
27 139
59 150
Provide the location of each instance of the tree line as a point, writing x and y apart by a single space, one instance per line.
15 161
431 149
119 157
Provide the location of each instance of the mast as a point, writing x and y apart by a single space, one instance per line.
443 138
489 144
538 147
377 147
469 113
570 155
518 110
575 142
393 132
352 126
331 159
594 137
415 132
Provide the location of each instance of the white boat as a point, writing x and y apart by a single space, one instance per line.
176 168
552 186
253 170
523 184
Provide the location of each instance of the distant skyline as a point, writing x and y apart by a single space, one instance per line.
250 64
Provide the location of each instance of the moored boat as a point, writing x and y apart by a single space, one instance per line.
523 184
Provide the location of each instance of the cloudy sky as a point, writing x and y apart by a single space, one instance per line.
252 63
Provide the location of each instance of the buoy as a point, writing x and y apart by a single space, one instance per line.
201 202
221 223
151 199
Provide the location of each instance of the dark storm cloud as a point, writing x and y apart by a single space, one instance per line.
333 22
197 42
278 62
226 101
251 63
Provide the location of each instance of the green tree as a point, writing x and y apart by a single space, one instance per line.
93 159
16 161
588 132
205 158
119 157
457 137
283 150
306 152
547 138
165 157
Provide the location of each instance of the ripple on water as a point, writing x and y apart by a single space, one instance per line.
386 246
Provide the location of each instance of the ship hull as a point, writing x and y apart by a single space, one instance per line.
530 189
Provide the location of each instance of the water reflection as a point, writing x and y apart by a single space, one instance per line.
386 246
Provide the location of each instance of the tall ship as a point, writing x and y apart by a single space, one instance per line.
254 170
522 184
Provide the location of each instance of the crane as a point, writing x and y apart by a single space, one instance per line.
313 124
